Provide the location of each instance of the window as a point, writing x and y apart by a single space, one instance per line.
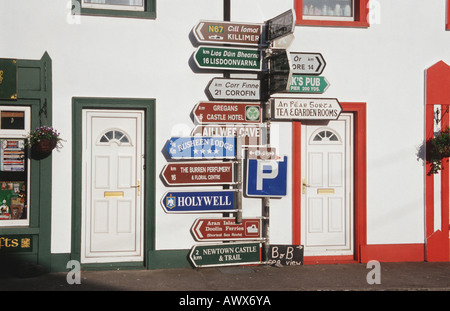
14 164
328 10
325 136
132 5
114 136
347 13
117 8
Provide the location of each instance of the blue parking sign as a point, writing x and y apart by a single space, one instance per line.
266 178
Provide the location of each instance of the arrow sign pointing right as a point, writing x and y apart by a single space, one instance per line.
307 63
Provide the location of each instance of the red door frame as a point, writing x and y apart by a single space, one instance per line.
437 241
360 185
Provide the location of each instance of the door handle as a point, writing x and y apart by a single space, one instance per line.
138 186
304 185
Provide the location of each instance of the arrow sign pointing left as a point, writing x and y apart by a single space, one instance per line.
234 89
226 229
198 173
201 147
213 201
228 33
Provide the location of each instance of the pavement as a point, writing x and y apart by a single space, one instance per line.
409 276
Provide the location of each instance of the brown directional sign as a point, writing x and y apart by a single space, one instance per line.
226 112
228 33
199 173
253 134
226 229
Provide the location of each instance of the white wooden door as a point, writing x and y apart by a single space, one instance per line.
112 181
327 187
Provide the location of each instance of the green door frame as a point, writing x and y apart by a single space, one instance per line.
148 106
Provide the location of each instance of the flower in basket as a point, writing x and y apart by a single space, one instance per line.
44 139
438 148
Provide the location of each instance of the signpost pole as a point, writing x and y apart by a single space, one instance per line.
266 200
239 180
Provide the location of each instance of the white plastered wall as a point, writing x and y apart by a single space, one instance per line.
382 65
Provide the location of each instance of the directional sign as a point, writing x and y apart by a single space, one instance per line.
234 89
308 84
228 33
305 108
266 178
280 74
199 173
226 254
307 63
225 112
253 134
226 229
213 201
281 25
262 153
228 58
202 147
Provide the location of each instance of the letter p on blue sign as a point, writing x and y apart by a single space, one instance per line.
266 178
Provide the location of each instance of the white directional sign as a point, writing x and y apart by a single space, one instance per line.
281 25
307 63
234 89
305 108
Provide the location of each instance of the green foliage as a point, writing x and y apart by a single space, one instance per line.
42 133
438 148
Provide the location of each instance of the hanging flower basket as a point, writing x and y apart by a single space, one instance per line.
438 148
45 145
42 141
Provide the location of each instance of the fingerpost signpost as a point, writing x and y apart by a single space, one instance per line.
235 126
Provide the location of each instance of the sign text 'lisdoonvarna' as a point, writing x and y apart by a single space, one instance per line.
305 109
228 58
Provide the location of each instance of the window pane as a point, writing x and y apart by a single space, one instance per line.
12 120
13 181
339 8
117 2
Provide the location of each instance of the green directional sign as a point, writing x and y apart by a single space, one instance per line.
308 84
208 57
226 254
